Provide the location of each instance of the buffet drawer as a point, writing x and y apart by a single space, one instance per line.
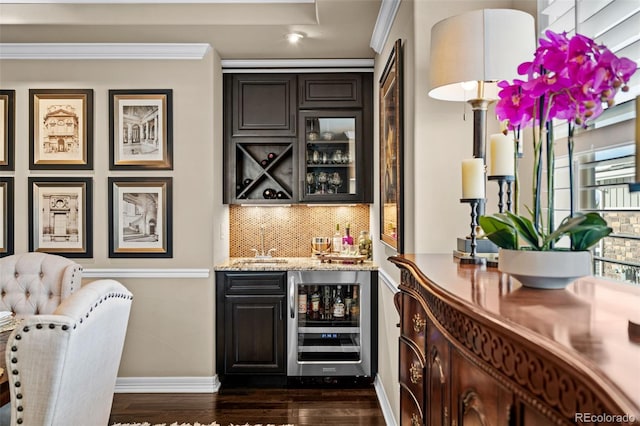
411 413
412 371
414 322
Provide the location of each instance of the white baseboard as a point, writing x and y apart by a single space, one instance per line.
387 412
206 384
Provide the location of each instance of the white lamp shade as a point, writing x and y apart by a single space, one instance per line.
482 45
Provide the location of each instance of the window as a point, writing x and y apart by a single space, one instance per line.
604 161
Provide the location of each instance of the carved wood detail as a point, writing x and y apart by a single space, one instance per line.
543 382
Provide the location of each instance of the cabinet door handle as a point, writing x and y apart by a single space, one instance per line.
415 373
418 323
292 295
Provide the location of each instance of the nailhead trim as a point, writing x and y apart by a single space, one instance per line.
64 327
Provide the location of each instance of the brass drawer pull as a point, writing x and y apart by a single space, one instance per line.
418 323
415 373
415 420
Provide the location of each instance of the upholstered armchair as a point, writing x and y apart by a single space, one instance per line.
62 367
35 283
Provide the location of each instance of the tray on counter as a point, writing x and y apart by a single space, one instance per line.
328 258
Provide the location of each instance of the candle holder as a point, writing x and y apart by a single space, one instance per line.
473 258
502 180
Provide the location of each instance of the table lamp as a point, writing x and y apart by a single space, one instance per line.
470 54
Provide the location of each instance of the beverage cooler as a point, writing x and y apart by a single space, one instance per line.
332 323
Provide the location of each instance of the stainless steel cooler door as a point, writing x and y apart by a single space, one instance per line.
324 347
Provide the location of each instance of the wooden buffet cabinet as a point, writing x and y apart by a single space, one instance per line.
476 348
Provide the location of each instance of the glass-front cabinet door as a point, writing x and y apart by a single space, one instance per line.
330 162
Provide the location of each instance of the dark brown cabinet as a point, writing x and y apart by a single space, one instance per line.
250 325
285 146
263 105
330 91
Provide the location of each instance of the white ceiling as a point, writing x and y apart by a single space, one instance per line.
237 29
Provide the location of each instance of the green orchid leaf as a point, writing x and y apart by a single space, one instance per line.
567 227
502 233
526 230
591 230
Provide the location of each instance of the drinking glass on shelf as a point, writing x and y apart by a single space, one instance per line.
323 177
335 180
311 179
337 157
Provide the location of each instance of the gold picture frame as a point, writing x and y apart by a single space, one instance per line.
140 217
141 129
7 129
391 151
61 129
60 216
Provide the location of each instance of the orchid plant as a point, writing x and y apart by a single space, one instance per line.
570 79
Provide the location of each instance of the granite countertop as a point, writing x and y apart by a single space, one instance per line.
291 264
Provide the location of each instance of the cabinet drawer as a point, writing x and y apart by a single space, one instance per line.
330 90
410 410
255 282
414 322
412 371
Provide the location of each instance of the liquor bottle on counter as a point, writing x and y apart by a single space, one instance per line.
336 242
302 302
338 305
314 313
347 240
354 313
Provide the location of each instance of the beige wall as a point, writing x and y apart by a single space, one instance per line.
436 140
171 331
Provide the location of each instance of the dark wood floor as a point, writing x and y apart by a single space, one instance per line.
325 406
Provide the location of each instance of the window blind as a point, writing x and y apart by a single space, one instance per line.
604 161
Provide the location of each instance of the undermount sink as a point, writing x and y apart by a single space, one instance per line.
254 260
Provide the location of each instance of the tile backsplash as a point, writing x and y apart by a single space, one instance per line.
289 229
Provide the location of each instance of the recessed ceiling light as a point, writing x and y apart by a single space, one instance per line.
293 38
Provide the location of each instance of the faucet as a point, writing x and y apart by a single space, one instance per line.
261 253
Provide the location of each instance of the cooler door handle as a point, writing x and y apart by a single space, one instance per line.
292 294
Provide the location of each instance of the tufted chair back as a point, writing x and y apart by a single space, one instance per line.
63 367
36 283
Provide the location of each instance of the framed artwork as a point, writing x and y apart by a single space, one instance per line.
140 129
391 148
61 129
140 215
60 216
6 216
7 128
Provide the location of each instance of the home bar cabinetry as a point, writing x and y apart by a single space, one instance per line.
476 348
251 325
293 138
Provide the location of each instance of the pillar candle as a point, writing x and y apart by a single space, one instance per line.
501 154
473 178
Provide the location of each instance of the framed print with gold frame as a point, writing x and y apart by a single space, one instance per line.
140 217
6 216
391 151
61 129
7 128
60 216
141 129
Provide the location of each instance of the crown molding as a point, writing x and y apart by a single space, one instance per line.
386 15
82 51
297 65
